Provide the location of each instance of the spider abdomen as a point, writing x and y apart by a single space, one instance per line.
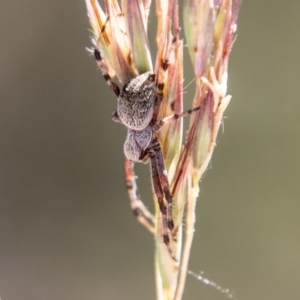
136 101
136 143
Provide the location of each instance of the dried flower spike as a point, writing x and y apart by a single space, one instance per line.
150 106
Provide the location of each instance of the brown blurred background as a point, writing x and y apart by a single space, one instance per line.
66 230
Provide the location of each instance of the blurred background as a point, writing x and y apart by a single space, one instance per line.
66 230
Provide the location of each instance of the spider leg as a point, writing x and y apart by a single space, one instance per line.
115 117
139 210
102 64
166 47
160 123
162 173
159 97
159 194
163 65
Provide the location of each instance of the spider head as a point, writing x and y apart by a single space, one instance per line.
136 101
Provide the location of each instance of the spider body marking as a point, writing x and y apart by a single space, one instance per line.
136 101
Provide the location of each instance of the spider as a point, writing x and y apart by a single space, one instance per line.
137 102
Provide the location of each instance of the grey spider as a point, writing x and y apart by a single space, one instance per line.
137 102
